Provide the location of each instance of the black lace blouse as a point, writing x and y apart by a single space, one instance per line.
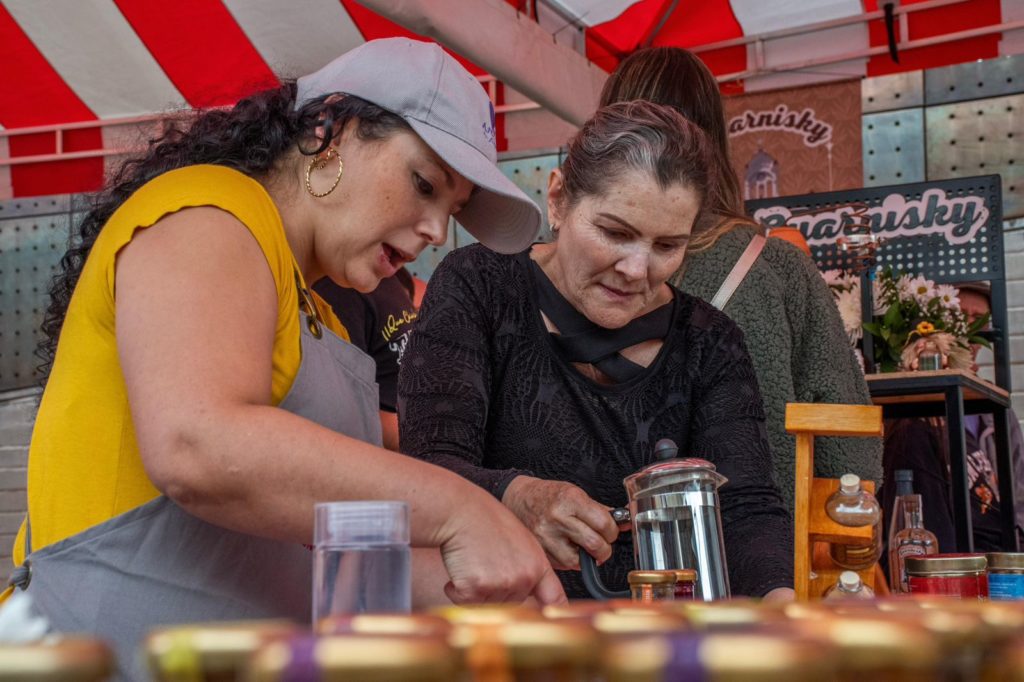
484 392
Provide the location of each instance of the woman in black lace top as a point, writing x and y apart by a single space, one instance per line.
547 377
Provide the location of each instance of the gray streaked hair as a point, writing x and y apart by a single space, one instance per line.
639 136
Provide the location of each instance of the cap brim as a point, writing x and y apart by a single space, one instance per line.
498 214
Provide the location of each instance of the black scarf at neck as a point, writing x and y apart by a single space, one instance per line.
580 340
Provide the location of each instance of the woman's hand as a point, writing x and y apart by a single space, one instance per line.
563 518
491 557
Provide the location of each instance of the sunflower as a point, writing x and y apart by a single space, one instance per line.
924 328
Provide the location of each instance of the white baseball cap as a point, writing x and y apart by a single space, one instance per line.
449 110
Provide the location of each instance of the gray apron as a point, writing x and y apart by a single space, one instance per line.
158 565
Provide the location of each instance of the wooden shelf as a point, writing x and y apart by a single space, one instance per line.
917 387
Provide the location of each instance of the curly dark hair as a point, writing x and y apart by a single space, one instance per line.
250 137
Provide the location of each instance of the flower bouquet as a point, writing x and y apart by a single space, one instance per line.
911 315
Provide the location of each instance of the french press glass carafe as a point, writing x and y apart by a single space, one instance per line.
674 511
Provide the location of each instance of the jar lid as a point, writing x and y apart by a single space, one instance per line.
1006 560
945 563
526 644
384 624
686 575
210 647
486 614
652 578
69 659
638 622
369 658
675 472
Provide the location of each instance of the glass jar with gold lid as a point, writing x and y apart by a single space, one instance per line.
524 651
71 659
737 657
650 586
871 646
686 583
486 614
351 658
427 625
210 652
953 575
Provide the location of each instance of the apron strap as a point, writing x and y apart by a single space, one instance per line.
21 576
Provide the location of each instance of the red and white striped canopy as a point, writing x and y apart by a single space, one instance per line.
70 61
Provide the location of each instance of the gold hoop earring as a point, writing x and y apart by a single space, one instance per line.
318 163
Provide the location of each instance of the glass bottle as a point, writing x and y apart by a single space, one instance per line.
651 586
849 586
854 507
904 480
929 358
912 540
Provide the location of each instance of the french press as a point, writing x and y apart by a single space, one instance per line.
676 523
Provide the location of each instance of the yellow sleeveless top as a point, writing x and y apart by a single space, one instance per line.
84 465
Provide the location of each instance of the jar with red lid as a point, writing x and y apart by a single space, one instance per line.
961 576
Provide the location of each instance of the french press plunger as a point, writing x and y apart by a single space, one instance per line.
674 511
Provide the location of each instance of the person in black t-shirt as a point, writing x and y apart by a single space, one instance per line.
379 323
547 377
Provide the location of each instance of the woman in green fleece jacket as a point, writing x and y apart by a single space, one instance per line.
790 322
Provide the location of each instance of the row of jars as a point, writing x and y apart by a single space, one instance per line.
895 639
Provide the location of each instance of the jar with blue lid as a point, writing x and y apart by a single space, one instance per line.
1005 575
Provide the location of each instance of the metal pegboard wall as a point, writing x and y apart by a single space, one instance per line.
974 80
32 240
932 256
530 174
893 147
898 91
980 137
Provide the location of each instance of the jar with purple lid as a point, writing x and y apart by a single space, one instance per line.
961 576
1005 575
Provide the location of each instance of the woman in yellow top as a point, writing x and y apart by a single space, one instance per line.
199 403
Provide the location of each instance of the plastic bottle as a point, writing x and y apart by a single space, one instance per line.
912 540
849 586
854 507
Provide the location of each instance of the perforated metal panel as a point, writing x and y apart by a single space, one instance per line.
531 174
428 260
893 147
983 136
898 91
33 237
933 256
981 257
974 80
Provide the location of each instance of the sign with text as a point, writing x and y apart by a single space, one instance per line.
796 141
946 230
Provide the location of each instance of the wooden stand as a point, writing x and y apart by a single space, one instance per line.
811 523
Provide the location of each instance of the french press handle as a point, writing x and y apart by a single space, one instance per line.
588 567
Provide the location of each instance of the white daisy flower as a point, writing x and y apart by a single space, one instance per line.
848 303
921 289
949 296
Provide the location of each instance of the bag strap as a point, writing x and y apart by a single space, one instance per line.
739 271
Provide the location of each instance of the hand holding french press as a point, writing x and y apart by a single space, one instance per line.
563 518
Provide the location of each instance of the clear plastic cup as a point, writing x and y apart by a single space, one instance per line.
361 560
